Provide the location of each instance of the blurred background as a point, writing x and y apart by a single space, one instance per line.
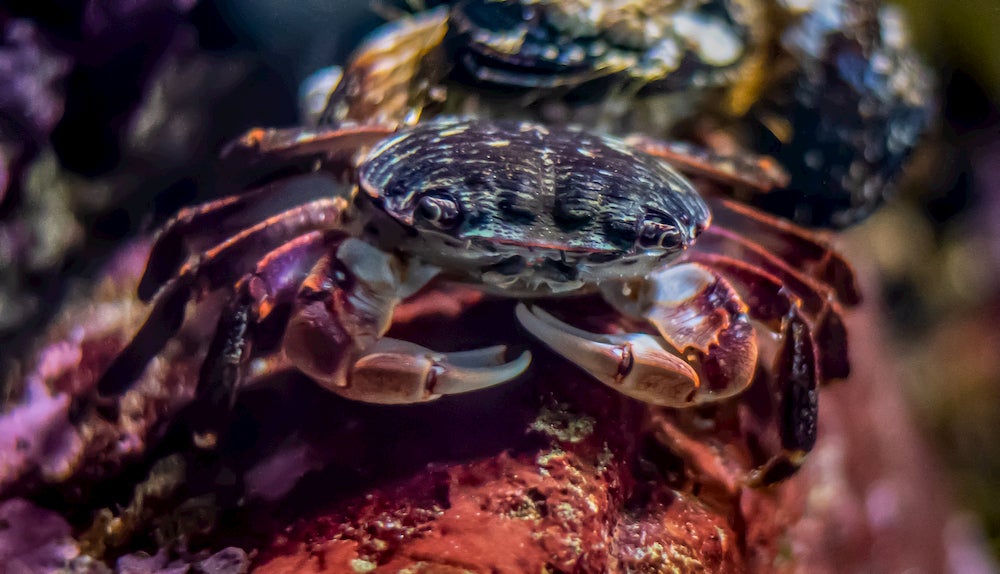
112 112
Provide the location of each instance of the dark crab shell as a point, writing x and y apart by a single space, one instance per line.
531 206
546 43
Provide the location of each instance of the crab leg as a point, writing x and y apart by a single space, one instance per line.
760 173
797 247
799 393
814 295
272 283
335 335
208 272
798 405
194 229
260 152
211 269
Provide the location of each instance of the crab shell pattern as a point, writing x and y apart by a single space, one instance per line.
371 214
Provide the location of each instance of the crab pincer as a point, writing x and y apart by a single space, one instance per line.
343 309
706 349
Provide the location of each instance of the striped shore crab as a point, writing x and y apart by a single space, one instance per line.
520 210
830 88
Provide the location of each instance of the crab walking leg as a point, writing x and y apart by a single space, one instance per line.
335 334
194 229
260 152
760 173
636 365
274 282
813 295
797 247
212 270
798 408
772 235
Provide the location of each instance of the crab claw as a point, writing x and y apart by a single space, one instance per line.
699 313
399 372
637 365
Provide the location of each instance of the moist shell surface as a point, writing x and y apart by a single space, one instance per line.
559 207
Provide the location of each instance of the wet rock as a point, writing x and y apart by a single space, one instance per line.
33 540
31 95
53 432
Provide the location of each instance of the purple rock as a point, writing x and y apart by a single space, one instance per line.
274 477
142 563
225 561
31 97
37 434
986 164
33 540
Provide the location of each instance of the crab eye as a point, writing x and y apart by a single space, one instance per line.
658 232
439 209
341 276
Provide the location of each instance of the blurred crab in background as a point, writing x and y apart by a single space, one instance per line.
830 89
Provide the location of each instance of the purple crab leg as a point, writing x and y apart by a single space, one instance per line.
210 271
274 282
814 295
260 151
798 420
796 246
799 398
194 229
760 173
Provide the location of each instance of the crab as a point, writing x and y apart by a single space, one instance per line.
831 89
517 209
